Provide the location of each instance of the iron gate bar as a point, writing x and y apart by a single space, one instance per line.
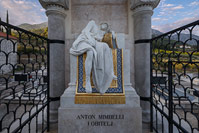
167 117
48 87
170 116
29 119
165 63
151 85
35 104
170 97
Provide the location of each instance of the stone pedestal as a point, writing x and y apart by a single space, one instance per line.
100 118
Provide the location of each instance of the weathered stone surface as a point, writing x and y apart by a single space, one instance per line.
61 3
142 76
72 59
69 112
129 44
113 12
118 14
142 12
138 3
126 11
56 31
70 119
68 45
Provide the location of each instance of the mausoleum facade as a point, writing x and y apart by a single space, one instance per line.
130 19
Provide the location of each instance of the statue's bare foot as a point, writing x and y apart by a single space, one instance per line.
114 77
88 86
101 93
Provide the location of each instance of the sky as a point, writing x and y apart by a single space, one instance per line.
172 14
22 11
169 14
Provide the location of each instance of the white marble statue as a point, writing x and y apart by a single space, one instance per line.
99 56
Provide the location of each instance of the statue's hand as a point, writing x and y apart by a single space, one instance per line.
92 42
113 34
98 38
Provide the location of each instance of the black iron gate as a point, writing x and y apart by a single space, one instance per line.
175 80
24 82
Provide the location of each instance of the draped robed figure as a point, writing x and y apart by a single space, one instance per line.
99 58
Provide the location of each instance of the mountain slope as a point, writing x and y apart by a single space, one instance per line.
40 28
156 32
183 37
33 26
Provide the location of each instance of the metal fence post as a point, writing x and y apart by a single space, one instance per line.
25 82
151 87
170 80
48 86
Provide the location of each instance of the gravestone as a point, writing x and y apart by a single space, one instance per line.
100 118
131 19
7 54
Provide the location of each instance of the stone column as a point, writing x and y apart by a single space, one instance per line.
142 12
56 12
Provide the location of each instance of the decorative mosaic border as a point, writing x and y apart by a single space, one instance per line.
117 90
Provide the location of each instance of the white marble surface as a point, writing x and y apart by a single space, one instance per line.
99 58
131 111
126 61
122 15
69 112
121 21
120 40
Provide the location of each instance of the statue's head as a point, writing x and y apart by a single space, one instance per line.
104 27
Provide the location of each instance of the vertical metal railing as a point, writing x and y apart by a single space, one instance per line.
24 80
175 80
48 88
151 86
170 80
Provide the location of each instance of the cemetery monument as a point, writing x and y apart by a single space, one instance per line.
119 107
